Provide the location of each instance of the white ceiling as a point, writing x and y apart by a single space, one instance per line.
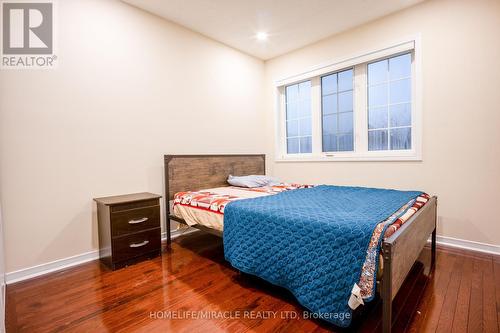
290 24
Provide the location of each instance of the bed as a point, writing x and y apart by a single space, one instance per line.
187 174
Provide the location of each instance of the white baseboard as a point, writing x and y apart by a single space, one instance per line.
56 265
468 245
49 267
31 272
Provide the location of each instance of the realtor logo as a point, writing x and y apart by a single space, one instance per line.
28 34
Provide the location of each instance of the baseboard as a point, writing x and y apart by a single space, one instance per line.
49 267
468 245
56 265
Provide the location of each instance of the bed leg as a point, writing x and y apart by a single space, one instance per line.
387 316
387 289
169 236
166 200
433 239
433 249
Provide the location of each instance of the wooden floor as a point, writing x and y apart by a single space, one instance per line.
462 295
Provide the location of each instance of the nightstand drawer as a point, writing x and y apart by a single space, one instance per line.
134 205
135 245
135 220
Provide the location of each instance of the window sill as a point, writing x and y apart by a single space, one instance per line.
353 157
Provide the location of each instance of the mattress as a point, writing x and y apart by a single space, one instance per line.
206 208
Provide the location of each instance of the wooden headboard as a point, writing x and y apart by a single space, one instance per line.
196 172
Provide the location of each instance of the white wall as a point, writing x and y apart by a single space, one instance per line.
129 88
461 106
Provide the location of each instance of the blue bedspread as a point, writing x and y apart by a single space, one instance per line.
311 241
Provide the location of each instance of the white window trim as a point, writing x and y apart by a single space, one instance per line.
361 152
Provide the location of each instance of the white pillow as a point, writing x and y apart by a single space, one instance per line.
252 181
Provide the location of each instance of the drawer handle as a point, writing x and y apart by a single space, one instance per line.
139 244
144 219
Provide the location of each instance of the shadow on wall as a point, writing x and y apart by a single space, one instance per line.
156 184
95 226
461 224
67 235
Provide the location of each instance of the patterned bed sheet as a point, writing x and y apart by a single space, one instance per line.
215 200
201 207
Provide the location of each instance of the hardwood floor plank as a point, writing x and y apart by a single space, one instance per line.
490 319
461 316
496 269
445 322
475 323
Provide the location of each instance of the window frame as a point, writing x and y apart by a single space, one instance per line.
359 64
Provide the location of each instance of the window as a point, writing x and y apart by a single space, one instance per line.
298 118
364 108
389 103
337 111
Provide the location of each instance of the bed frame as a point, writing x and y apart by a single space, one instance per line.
399 251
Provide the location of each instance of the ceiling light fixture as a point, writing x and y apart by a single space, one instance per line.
261 36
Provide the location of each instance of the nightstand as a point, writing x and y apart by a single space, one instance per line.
129 228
